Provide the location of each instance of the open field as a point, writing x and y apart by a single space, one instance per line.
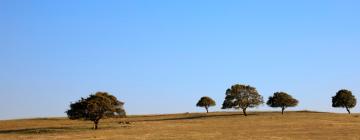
193 126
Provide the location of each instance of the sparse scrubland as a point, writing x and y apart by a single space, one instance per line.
192 126
105 110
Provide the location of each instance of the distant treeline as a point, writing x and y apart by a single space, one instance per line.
238 96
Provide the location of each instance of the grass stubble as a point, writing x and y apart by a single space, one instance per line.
192 126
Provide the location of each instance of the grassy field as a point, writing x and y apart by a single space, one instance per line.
193 126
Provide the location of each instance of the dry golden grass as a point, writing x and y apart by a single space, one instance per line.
194 126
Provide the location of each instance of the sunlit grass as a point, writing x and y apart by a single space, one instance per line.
220 125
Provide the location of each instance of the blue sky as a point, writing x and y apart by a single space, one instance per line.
162 56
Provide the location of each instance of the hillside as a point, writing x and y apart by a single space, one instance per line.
196 126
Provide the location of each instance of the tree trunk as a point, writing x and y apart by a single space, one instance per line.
244 111
348 110
282 110
96 122
207 109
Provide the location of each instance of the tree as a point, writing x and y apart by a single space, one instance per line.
206 102
283 100
242 96
119 110
345 99
94 108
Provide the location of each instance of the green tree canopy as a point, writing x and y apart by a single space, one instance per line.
94 108
242 96
283 100
345 99
206 102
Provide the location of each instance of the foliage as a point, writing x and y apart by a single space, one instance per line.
283 100
206 102
242 96
94 108
345 99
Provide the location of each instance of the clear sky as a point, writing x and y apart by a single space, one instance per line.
162 56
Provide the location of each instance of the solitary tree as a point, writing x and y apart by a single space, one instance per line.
242 96
345 99
283 100
94 108
206 102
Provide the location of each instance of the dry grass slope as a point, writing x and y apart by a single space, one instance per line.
193 126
